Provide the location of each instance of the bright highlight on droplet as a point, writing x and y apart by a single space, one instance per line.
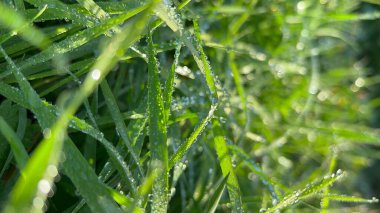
52 171
44 186
38 203
47 133
95 74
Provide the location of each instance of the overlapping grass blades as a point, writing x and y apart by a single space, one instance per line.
47 155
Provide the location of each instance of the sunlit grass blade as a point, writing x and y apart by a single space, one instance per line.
348 199
46 154
298 195
227 168
157 133
17 147
91 6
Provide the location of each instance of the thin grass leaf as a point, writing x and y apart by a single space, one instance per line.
325 199
169 85
349 199
312 189
119 122
157 133
215 199
18 149
181 151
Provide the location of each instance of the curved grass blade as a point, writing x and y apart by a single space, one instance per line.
157 133
17 147
298 195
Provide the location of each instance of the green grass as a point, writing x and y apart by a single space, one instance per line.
185 106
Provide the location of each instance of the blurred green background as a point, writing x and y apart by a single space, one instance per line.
300 99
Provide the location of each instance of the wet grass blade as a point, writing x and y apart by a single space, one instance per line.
157 133
298 195
119 122
181 151
169 84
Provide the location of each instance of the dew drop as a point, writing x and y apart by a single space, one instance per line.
95 74
44 186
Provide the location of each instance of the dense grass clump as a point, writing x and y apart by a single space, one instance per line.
184 106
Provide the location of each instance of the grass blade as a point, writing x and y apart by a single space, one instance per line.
192 138
17 147
227 168
157 133
314 188
119 122
214 201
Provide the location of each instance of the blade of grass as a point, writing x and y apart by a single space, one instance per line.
18 149
215 199
325 199
169 85
157 133
349 199
298 195
227 167
119 122
181 151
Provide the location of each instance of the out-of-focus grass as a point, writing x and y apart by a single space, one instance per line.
214 106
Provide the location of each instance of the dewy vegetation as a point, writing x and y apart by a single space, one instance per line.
183 106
